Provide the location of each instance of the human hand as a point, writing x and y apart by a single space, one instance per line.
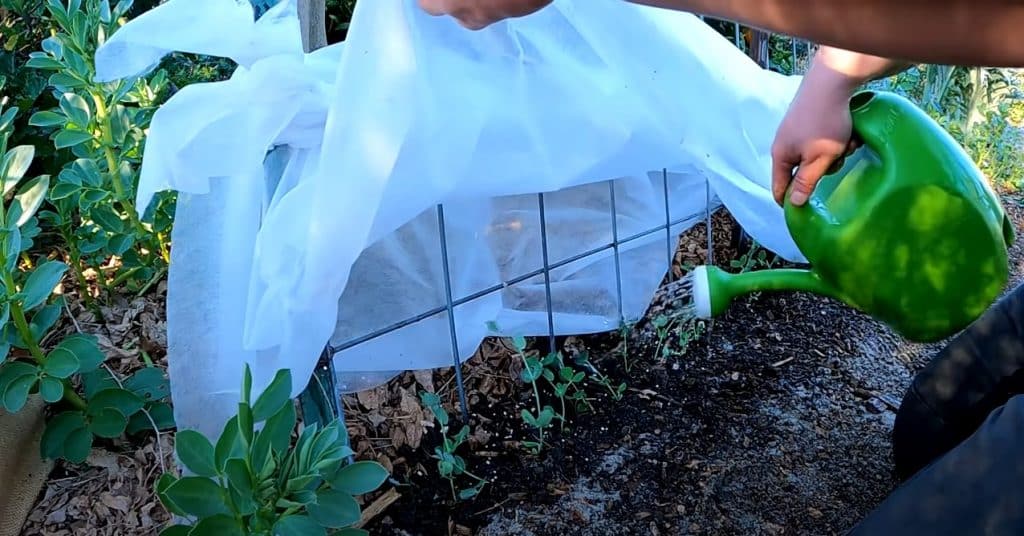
479 14
813 138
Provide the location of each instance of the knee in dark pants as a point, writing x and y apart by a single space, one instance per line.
978 371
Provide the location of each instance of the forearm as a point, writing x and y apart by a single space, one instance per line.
842 72
953 32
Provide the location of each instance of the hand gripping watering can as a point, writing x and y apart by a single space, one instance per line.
907 231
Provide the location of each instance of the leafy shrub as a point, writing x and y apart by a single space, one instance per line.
29 311
259 482
102 126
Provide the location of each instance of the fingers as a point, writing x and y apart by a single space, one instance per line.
807 176
433 7
782 174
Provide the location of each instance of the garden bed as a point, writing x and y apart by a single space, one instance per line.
776 421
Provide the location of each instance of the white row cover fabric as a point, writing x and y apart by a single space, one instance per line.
309 183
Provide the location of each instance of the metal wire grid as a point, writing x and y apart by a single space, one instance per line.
325 370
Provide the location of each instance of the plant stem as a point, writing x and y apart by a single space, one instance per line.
115 176
536 395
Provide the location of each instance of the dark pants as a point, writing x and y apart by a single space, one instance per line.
959 436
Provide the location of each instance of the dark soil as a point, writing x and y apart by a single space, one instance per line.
776 421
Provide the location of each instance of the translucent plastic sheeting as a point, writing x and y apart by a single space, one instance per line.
309 183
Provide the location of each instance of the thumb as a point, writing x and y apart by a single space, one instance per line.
807 177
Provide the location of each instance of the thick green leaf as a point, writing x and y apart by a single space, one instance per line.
107 422
63 190
119 244
239 476
16 394
298 526
95 381
161 413
163 483
87 170
198 496
15 163
149 383
278 428
125 402
85 349
196 452
44 319
47 119
70 138
61 364
352 532
14 370
43 62
12 247
334 509
57 430
245 423
360 477
177 530
78 445
5 350
219 525
247 385
105 217
76 109
30 197
51 389
41 282
273 397
229 444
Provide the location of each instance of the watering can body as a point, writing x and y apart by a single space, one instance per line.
908 230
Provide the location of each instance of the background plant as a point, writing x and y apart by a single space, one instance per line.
29 309
98 130
256 481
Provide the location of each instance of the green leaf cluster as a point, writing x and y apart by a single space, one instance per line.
258 480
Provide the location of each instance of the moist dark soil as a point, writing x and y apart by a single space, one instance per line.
775 420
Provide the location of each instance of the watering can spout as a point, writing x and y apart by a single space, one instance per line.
714 289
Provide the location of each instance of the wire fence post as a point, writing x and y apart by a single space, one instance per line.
451 313
547 271
615 252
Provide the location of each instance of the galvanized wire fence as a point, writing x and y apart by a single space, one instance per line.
778 53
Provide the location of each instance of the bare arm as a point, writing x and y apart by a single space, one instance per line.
953 32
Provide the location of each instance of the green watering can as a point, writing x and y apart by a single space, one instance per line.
907 231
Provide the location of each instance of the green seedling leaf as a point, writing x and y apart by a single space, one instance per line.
41 282
76 109
107 423
528 418
519 342
125 402
14 165
70 138
16 394
57 431
196 452
247 385
334 509
47 119
51 389
273 397
198 496
85 349
61 364
219 525
360 477
298 526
